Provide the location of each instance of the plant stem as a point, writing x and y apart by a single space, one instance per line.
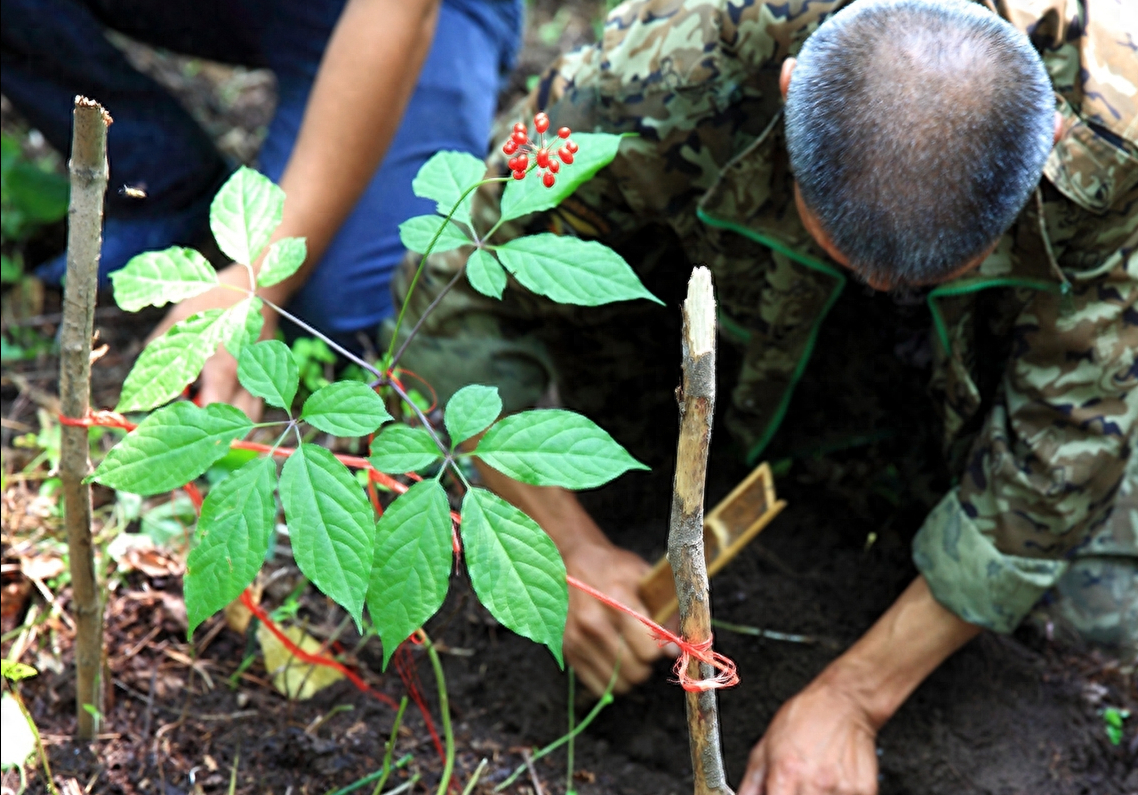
88 167
389 751
331 343
572 719
423 259
685 535
444 708
402 762
469 788
605 700
39 742
426 313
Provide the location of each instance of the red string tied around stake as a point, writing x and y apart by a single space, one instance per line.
727 675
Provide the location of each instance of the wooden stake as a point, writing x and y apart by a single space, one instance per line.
88 167
685 536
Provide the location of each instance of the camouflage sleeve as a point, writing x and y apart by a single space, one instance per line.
1049 461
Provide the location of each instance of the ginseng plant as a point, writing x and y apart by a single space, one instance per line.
399 566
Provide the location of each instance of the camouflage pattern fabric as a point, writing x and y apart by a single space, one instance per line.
1037 351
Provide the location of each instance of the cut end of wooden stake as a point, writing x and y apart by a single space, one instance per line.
699 308
83 102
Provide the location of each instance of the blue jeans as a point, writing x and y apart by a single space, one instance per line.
52 50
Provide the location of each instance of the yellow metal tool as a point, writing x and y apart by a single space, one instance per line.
728 528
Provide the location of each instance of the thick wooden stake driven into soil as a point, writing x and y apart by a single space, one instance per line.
88 168
685 536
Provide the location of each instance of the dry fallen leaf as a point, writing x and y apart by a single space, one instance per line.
42 567
296 679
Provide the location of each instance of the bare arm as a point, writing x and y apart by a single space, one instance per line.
369 71
368 74
823 740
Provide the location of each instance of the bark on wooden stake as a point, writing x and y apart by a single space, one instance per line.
88 168
685 536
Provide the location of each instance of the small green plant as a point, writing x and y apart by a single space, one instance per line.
32 195
20 736
1113 718
398 567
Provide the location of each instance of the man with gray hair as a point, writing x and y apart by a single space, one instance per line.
925 144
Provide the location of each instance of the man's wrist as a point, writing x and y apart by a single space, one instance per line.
906 644
862 682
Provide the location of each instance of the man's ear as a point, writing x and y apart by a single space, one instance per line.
1058 123
784 76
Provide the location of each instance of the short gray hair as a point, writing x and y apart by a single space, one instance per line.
917 131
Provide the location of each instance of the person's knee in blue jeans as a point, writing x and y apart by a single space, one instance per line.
54 49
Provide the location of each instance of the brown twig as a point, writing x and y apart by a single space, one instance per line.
685 536
537 788
88 169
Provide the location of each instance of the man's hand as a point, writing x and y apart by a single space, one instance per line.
596 636
821 742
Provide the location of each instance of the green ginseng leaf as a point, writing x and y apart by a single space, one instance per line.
400 448
157 278
231 540
283 260
330 524
553 447
418 232
445 177
240 325
268 370
572 271
170 363
470 411
244 214
515 568
345 408
171 447
485 273
411 569
529 195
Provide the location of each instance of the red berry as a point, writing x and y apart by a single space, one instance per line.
547 180
554 166
510 147
520 127
522 163
572 147
565 155
542 158
519 137
563 132
519 175
541 122
512 163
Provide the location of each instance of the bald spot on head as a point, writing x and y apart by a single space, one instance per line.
917 130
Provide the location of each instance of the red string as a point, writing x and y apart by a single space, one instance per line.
421 380
409 675
726 676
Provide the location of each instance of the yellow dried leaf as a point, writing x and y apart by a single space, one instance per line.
291 676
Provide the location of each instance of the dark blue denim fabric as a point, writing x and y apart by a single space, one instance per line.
51 50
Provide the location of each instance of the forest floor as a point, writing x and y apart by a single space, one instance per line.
856 459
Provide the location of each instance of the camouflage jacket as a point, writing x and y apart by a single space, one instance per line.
697 80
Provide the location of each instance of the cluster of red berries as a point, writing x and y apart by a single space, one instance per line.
521 147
